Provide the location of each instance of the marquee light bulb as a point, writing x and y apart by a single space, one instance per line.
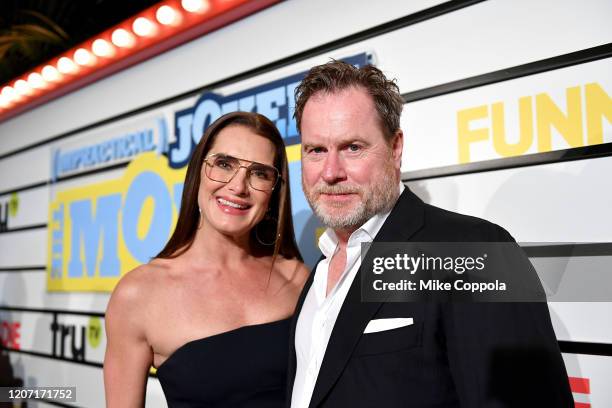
4 101
102 48
50 74
66 66
122 38
9 94
143 27
166 15
22 87
83 57
195 6
36 81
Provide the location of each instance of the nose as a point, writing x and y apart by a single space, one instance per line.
239 184
333 169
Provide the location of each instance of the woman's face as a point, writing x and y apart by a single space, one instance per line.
235 207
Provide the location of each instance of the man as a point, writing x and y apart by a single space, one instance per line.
427 354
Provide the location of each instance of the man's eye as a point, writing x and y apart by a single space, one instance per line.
354 147
316 150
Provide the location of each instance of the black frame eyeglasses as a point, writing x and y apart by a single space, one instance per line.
222 168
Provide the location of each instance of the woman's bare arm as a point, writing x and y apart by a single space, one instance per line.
128 355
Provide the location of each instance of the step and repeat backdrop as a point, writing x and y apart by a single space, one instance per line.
507 116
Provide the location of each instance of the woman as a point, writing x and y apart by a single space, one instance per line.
212 310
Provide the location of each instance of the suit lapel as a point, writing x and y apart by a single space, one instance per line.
405 219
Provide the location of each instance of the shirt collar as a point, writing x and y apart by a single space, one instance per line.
328 241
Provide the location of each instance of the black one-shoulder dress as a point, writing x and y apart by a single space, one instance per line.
245 367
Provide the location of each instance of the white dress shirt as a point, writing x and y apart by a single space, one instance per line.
319 311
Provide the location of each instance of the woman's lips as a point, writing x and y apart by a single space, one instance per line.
232 206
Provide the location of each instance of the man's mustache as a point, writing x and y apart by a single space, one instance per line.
335 189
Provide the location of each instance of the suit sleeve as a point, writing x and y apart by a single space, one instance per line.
504 354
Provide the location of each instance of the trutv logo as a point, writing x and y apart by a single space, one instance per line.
71 341
580 123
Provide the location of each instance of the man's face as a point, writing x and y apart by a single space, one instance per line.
349 171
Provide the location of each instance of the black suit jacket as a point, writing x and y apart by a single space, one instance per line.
455 354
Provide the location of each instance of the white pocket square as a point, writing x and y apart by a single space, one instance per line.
378 325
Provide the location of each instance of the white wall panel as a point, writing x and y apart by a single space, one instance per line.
23 248
443 130
26 168
32 207
596 373
29 289
582 321
497 34
561 202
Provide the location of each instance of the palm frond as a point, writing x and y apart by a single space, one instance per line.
4 48
9 38
37 33
50 23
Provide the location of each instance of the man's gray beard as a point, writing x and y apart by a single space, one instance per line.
380 199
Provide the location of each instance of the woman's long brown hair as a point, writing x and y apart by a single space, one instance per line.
280 203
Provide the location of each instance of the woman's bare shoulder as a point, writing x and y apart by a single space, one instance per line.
136 287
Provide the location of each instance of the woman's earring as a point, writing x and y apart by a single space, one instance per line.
200 221
267 238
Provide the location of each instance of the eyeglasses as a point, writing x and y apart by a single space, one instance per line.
222 168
